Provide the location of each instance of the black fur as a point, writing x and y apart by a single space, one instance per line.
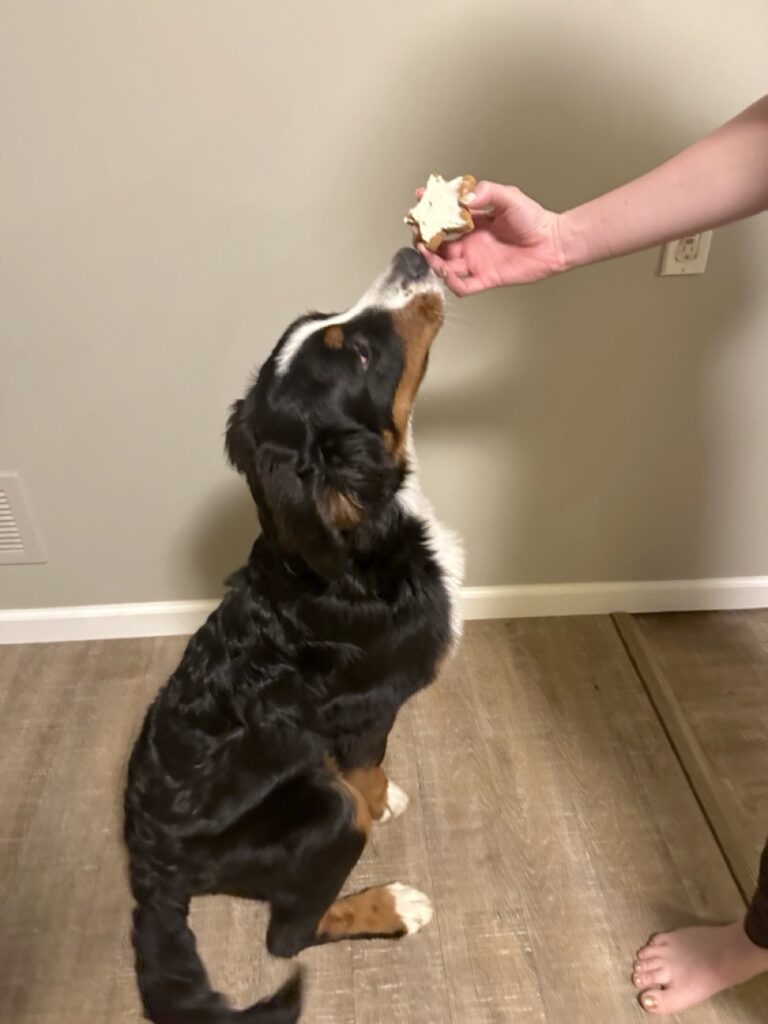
318 641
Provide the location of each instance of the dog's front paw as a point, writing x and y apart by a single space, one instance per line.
411 906
397 802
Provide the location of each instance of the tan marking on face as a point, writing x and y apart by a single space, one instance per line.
417 324
390 441
343 510
333 337
372 784
371 912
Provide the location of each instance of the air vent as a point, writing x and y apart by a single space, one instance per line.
19 543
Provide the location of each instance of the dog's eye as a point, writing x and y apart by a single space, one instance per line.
360 347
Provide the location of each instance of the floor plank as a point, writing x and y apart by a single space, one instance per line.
715 667
560 827
549 821
70 712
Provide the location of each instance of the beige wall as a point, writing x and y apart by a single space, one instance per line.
179 179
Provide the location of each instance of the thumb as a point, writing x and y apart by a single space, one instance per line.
489 196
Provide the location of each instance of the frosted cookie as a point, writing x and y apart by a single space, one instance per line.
440 211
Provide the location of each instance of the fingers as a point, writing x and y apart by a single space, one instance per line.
487 194
460 281
489 197
484 219
442 262
463 286
455 272
480 212
436 262
452 251
458 266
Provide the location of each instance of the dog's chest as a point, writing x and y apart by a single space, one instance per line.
444 544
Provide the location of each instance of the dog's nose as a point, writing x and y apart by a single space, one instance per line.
410 265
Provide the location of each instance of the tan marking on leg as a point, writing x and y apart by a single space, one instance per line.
371 912
362 819
372 784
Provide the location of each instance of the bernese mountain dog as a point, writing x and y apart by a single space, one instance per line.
257 771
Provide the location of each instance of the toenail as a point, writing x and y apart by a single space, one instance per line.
649 1002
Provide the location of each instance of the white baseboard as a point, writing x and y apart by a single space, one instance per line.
177 618
102 621
541 599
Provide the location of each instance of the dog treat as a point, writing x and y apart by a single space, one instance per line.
440 211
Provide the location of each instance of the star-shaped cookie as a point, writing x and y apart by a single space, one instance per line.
440 213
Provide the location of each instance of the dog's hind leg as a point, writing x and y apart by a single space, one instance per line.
309 913
384 798
384 911
310 881
360 764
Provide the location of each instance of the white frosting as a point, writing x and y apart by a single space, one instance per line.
439 208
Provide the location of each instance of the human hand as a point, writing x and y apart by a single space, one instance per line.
515 241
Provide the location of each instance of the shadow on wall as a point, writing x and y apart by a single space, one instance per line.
228 526
581 408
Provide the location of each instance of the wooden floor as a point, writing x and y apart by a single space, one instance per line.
551 822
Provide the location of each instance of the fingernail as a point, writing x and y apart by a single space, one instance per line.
470 197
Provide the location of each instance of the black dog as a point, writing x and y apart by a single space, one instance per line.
257 771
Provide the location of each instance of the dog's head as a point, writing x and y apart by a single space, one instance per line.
321 435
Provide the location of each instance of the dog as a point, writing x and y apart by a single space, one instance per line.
257 772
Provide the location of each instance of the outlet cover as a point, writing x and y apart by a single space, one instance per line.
686 256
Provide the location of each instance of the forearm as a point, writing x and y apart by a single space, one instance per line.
718 180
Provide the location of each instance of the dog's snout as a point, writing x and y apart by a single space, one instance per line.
410 265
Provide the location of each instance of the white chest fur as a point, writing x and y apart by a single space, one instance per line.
445 544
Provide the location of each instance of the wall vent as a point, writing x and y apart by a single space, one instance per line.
19 542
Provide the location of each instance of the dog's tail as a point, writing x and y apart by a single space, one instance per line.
173 982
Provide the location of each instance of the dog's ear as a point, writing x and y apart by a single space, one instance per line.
293 502
298 504
360 473
240 443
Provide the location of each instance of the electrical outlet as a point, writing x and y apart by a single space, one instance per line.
686 255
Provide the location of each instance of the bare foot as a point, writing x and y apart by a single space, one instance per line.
679 969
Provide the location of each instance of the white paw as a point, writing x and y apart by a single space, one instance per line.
397 801
411 906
